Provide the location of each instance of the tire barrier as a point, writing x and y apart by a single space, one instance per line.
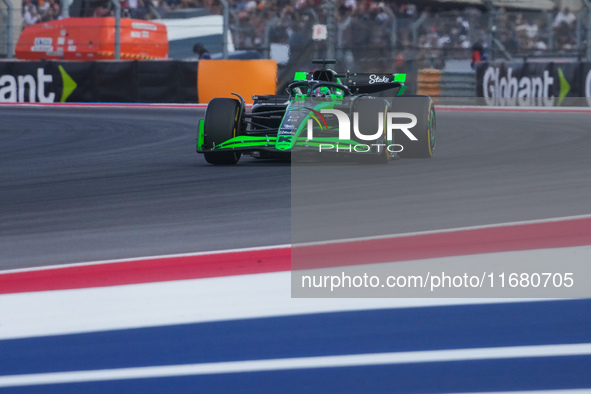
429 82
437 83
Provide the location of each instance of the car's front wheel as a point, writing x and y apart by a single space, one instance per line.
221 124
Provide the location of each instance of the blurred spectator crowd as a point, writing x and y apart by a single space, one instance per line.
532 32
366 27
36 11
372 25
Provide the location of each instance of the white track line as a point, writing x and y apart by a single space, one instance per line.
449 230
123 260
516 223
297 363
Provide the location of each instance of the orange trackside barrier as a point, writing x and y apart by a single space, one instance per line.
219 78
429 82
92 39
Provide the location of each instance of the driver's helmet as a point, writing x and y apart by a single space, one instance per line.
321 92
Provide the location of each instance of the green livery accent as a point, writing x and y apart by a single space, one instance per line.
400 78
432 131
69 85
246 141
200 134
300 76
401 91
286 142
325 140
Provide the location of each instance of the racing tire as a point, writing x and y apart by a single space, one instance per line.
423 108
221 123
368 123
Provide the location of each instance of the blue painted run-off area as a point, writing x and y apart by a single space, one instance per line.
328 334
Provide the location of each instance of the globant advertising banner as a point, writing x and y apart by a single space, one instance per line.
108 81
533 84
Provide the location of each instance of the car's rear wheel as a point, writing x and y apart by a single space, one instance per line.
424 109
221 124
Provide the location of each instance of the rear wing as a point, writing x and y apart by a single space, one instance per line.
374 82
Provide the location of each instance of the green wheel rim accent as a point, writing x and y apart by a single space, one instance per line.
432 130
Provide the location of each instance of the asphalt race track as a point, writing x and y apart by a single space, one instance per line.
96 183
87 184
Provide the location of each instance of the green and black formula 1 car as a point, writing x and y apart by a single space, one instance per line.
323 113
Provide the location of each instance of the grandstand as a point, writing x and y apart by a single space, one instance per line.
361 33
